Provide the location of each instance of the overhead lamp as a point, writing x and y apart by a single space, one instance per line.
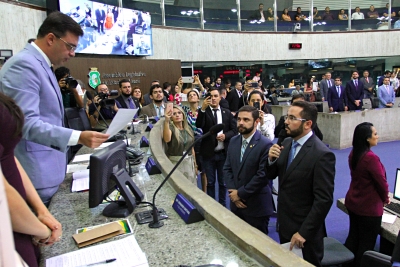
323 23
195 12
190 11
258 22
253 21
183 12
289 68
234 10
204 21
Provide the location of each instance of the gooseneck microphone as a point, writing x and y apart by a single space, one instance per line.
90 97
156 223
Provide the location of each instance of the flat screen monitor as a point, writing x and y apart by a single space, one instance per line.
396 191
319 64
110 30
107 173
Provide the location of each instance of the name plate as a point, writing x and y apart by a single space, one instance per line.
149 127
186 210
144 142
152 167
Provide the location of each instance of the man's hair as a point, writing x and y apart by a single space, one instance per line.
30 40
352 72
228 81
254 112
387 71
61 72
155 81
221 90
238 82
298 96
59 24
97 87
123 81
214 89
338 77
327 73
309 111
154 87
166 84
365 71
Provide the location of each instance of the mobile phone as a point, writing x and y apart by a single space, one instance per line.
208 95
170 106
257 105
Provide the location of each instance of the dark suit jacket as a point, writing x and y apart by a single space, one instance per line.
305 188
248 176
353 94
257 15
335 101
233 100
223 103
121 101
205 120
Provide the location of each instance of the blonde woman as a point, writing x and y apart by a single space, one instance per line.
179 137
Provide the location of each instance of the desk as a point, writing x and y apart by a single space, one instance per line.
388 232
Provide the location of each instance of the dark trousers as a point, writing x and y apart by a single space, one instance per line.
213 166
313 250
362 235
261 223
100 26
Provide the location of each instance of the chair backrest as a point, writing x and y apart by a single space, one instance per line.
374 102
77 119
375 259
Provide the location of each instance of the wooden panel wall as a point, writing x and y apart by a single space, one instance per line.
140 71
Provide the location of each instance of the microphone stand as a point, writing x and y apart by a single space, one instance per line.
156 223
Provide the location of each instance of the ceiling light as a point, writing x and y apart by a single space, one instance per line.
183 12
196 12
234 10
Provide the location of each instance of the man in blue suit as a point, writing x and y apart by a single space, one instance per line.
354 92
244 173
337 99
28 78
386 94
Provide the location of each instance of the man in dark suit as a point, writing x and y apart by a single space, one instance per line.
213 149
368 84
234 97
125 99
355 92
306 170
337 99
325 84
100 17
244 171
259 14
223 103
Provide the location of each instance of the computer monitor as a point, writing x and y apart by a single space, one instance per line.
396 191
107 173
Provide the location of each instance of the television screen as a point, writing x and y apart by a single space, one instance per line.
110 30
319 64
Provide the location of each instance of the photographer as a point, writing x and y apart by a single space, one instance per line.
106 106
70 91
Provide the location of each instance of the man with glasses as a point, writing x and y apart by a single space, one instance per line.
337 99
306 170
29 79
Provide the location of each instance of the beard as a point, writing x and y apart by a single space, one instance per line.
294 133
243 130
126 95
158 101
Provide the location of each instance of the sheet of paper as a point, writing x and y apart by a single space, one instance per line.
388 218
121 119
106 144
81 174
315 86
80 185
80 158
76 167
126 251
296 250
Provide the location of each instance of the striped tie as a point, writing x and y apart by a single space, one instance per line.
244 145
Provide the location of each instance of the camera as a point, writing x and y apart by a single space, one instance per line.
105 102
72 83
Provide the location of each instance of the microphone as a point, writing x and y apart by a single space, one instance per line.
156 223
90 97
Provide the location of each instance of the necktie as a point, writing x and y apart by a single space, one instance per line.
159 112
244 145
367 80
215 115
131 104
387 89
338 90
292 153
329 83
356 83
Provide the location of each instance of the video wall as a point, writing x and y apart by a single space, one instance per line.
110 30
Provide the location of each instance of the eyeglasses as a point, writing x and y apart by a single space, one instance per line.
293 118
70 47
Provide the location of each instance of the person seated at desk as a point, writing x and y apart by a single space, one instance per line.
328 15
179 137
297 91
386 12
259 14
32 223
299 16
280 130
285 15
342 15
372 13
316 15
368 192
357 15
157 107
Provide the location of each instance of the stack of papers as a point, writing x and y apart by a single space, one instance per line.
126 251
80 181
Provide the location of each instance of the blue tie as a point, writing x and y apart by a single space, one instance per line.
244 145
131 104
292 153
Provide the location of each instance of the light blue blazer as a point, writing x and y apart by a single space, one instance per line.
27 78
384 96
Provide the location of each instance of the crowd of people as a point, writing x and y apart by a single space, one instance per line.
241 158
